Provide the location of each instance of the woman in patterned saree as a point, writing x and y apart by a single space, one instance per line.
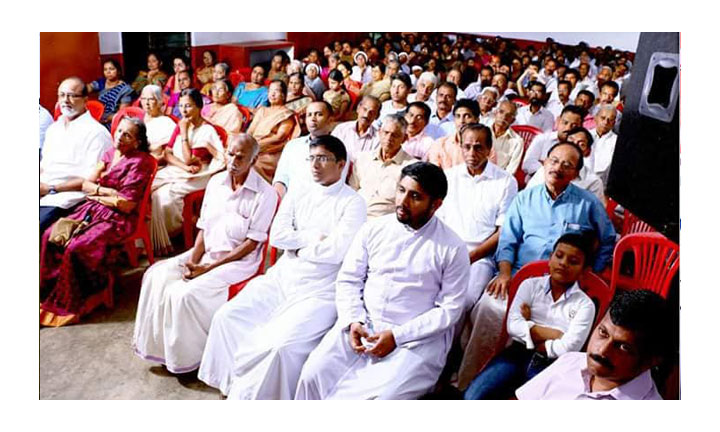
73 277
114 92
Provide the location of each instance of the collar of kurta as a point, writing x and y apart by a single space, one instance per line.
327 190
487 173
635 389
252 182
568 292
79 120
422 229
398 159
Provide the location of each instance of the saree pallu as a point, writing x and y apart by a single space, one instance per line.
142 80
265 123
226 116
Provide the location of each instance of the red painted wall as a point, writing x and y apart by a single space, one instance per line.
304 42
63 55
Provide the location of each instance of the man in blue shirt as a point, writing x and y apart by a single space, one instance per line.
540 215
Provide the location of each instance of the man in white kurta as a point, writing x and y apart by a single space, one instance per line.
179 296
259 340
604 141
402 289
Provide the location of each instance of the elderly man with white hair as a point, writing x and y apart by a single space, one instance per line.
159 126
487 101
605 139
180 295
425 86
73 147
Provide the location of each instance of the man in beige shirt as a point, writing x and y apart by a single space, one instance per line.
375 174
508 146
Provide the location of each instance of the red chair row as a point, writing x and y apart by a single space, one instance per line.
96 109
527 133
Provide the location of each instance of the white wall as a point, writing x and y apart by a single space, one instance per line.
110 42
210 38
623 40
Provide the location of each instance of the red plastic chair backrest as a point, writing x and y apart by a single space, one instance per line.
633 224
96 109
221 132
127 111
656 261
247 116
596 288
527 133
236 77
520 102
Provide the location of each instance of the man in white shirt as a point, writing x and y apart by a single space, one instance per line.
293 169
535 113
441 121
45 121
425 86
604 141
508 146
479 193
360 135
547 75
418 141
556 105
629 340
399 90
487 102
484 80
400 292
180 295
571 117
376 173
73 146
258 341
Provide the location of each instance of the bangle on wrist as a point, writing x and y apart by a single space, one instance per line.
97 190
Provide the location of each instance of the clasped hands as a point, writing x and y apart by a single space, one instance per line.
384 341
193 270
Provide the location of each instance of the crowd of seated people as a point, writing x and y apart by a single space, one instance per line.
392 179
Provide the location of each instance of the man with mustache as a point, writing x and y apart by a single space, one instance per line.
535 113
400 292
360 135
73 146
445 152
623 347
484 80
293 169
508 146
441 121
571 117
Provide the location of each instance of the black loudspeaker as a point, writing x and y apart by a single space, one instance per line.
645 172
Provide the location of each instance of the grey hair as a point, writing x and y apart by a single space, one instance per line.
428 76
224 67
398 119
142 138
155 91
492 90
243 135
605 107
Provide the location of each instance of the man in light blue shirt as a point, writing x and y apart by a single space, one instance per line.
538 216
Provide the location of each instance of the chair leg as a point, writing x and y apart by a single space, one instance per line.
148 247
108 293
131 252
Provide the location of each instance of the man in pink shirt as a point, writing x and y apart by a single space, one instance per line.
628 341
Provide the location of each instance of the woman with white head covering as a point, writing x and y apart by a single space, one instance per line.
361 71
313 80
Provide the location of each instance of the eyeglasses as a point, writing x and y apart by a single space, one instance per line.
73 96
565 166
321 158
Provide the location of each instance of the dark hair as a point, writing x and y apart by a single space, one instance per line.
117 66
613 84
503 74
299 75
212 54
573 145
487 68
327 105
336 75
588 94
423 106
186 71
574 72
449 84
580 129
380 66
184 60
533 83
227 83
347 65
470 104
194 95
283 86
331 144
261 66
402 76
583 240
430 177
143 145
283 56
565 82
644 312
156 55
574 110
479 127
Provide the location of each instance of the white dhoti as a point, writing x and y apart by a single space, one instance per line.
260 340
335 371
480 337
481 271
174 315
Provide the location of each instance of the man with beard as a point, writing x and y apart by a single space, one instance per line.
441 121
400 292
571 117
73 146
445 152
376 172
507 146
293 167
258 341
535 114
622 349
484 80
360 135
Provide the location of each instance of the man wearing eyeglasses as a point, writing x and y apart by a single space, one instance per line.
259 341
73 146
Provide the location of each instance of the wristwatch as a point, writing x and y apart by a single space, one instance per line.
52 190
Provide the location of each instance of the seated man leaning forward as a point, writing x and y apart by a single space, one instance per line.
479 194
180 295
550 315
376 173
536 218
623 347
400 292
259 341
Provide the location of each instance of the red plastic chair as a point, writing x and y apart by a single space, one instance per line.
236 77
589 282
247 116
141 230
236 288
192 203
527 133
656 260
96 109
221 132
629 223
127 111
520 102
